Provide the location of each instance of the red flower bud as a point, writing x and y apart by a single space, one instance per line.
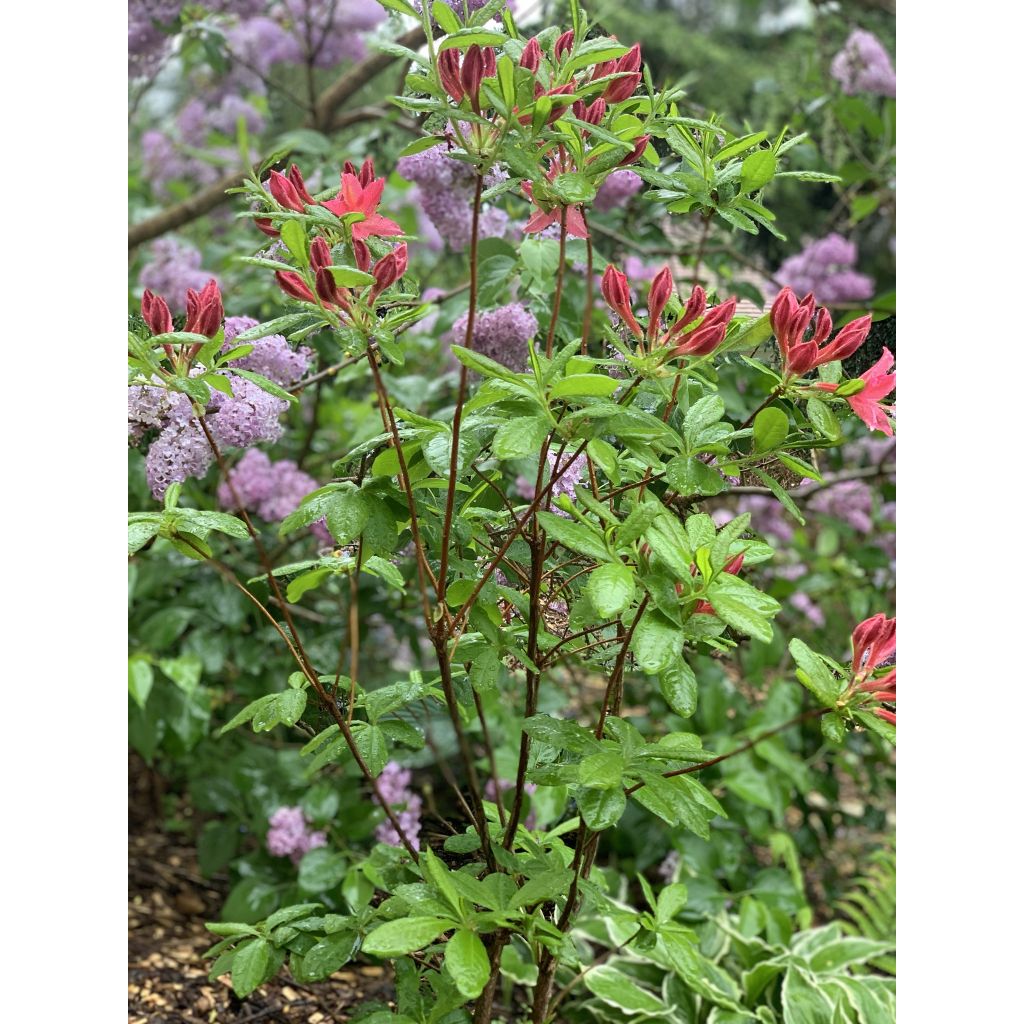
156 313
366 172
847 341
874 641
490 62
595 112
204 310
267 227
615 289
295 177
706 338
327 289
602 70
472 75
285 192
695 306
579 109
448 70
390 269
530 58
661 291
733 567
622 88
319 254
564 43
629 61
361 251
638 151
293 285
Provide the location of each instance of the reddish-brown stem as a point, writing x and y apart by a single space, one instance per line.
453 466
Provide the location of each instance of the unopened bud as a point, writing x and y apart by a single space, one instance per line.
156 313
564 43
319 254
285 193
293 285
530 58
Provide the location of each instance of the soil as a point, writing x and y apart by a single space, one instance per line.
168 903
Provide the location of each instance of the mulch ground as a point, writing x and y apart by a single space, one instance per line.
168 903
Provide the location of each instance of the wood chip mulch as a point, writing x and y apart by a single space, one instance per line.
168 903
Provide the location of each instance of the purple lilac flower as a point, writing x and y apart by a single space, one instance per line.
500 334
864 65
251 415
617 189
290 836
872 451
566 483
180 452
525 488
271 357
327 30
667 869
850 501
394 784
147 42
173 268
806 607
825 267
446 196
260 43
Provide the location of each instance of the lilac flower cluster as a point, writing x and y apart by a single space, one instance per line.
850 501
272 356
500 334
273 490
806 606
290 835
617 189
394 783
567 482
446 196
864 65
248 416
825 267
173 268
327 30
147 41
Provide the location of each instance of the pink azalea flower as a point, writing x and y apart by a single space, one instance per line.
355 197
574 223
878 383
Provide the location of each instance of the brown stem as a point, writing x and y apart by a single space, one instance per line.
588 308
453 466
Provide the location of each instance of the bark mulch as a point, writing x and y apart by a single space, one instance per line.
168 903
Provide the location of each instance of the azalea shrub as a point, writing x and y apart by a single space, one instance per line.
516 611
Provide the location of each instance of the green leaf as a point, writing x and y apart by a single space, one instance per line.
574 536
347 514
445 17
758 169
802 1001
740 145
707 410
321 869
329 954
520 437
678 686
620 990
611 589
780 492
294 237
589 384
483 365
140 679
771 426
467 37
602 770
561 733
823 418
350 277
467 962
249 967
814 674
139 534
657 642
265 384
601 808
572 188
740 616
691 476
396 938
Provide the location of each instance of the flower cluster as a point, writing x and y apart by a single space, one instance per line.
445 194
273 490
850 501
617 190
148 35
825 267
864 394
863 65
791 319
874 647
248 416
500 334
707 327
290 836
394 783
